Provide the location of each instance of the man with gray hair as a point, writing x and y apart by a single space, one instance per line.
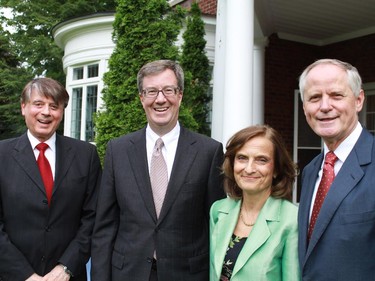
337 206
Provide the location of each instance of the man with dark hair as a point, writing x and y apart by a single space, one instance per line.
157 189
48 193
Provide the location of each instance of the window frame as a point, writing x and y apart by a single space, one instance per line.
84 84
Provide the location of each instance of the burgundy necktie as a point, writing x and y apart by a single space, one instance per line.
45 170
324 185
158 175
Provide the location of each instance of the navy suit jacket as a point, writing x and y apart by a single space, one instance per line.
33 236
342 246
127 230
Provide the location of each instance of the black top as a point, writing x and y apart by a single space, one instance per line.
234 248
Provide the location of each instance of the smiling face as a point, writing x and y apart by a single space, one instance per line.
254 167
161 112
330 106
42 115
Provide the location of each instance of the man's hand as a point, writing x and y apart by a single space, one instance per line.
56 274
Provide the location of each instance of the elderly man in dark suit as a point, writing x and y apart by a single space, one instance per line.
141 233
337 218
46 222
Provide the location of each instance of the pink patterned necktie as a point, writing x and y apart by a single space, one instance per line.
158 175
45 170
324 185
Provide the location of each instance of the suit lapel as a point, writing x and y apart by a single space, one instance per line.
260 232
185 154
227 220
348 177
25 157
138 158
64 157
305 201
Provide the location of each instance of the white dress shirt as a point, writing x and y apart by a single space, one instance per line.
342 152
169 149
50 152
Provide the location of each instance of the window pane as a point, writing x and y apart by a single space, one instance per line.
370 122
93 70
77 73
306 136
75 130
92 93
308 144
304 158
370 113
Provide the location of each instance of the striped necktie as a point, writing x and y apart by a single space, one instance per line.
158 175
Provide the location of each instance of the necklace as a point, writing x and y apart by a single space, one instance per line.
245 223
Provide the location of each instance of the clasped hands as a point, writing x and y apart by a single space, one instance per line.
56 274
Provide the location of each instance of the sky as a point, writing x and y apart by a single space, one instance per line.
7 13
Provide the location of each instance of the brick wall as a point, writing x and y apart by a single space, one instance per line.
284 62
359 52
208 7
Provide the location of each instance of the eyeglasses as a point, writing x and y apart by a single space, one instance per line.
167 91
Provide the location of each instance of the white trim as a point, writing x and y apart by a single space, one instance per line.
83 83
369 89
329 40
63 32
174 2
295 140
369 86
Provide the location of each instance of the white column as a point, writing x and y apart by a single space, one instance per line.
258 81
68 109
219 72
238 86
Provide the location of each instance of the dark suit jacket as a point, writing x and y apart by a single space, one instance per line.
127 230
33 236
342 246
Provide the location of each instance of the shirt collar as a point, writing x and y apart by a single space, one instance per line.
343 150
34 141
167 138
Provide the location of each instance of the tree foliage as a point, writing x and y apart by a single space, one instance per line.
12 80
32 22
144 30
197 69
29 49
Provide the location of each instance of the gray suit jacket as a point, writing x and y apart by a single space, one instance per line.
127 230
342 246
33 236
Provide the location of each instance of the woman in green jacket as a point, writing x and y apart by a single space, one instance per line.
254 230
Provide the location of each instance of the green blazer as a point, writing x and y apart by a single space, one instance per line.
270 251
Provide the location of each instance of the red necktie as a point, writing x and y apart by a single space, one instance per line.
45 170
324 185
